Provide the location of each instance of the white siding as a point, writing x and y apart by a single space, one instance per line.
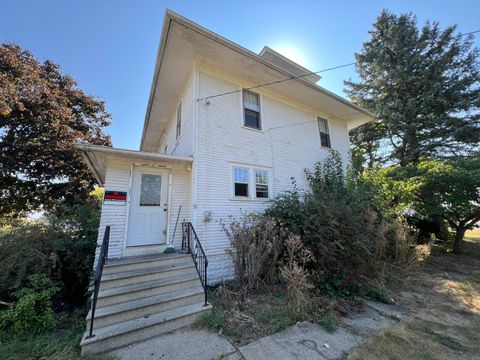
181 196
184 145
287 144
118 179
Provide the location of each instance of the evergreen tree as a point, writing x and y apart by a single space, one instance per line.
424 85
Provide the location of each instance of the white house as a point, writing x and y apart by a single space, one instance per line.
225 131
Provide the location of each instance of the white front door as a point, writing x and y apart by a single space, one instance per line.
147 217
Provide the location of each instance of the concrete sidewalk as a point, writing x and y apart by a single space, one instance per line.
183 344
299 342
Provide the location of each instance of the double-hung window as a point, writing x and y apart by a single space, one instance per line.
249 177
240 181
324 132
179 122
261 183
251 110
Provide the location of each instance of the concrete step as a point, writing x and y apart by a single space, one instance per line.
129 310
135 291
117 335
142 262
163 271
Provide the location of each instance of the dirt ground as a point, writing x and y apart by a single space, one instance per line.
443 302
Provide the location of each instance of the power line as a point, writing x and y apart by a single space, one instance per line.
298 76
469 33
276 82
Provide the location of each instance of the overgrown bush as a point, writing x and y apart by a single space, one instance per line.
60 247
26 250
295 274
257 245
343 221
32 312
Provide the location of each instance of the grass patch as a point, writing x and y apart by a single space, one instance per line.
62 343
328 322
260 313
416 340
445 317
243 320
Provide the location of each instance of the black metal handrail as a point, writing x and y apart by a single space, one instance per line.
102 257
191 244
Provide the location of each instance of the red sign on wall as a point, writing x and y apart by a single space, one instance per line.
115 197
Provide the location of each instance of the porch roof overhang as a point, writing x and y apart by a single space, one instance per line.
96 157
184 43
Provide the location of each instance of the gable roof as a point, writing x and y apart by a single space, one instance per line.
183 43
287 64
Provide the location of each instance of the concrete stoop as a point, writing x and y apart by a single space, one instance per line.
142 297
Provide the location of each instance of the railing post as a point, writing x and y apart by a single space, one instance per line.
205 289
199 257
188 237
102 256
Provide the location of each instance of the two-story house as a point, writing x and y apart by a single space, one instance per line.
225 131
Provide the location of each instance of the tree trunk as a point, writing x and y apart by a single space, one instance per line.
458 243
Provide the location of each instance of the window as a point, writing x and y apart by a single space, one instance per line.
251 109
179 121
261 183
240 181
324 132
250 177
150 190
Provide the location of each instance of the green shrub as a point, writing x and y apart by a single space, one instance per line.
26 250
32 312
61 247
342 220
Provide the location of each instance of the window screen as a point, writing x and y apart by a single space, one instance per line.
324 132
240 180
150 190
251 109
261 183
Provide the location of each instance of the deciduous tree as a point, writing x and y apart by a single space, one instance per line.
42 114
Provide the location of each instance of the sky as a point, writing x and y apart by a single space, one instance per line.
109 47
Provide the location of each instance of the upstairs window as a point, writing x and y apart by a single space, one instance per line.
240 182
261 183
179 122
251 109
324 132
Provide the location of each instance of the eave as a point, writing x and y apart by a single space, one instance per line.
96 157
184 43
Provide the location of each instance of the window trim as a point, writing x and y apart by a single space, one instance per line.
318 118
234 167
260 115
178 129
267 184
252 193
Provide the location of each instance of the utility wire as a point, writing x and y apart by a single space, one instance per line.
276 82
298 76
